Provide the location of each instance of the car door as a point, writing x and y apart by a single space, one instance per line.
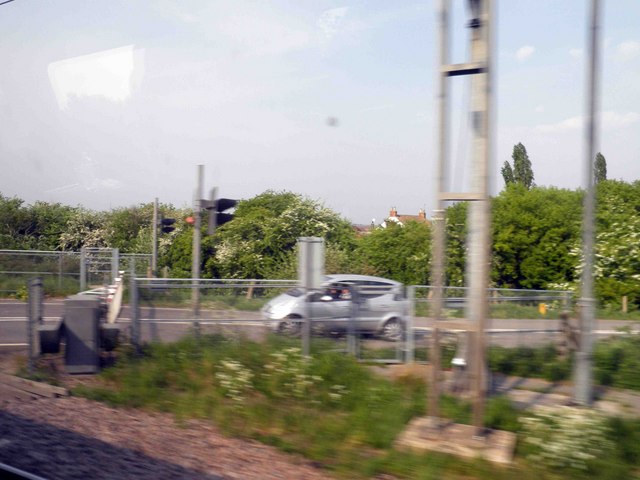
339 307
377 303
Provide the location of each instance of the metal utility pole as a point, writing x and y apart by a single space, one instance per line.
154 240
477 274
195 254
583 388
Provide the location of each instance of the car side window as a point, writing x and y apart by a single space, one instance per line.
373 289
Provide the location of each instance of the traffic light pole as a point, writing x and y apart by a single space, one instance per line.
195 266
583 393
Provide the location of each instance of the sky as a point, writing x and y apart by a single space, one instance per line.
114 103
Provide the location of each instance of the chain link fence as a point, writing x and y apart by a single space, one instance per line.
517 318
64 273
372 323
386 324
60 271
375 323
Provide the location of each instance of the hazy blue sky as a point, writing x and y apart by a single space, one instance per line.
113 103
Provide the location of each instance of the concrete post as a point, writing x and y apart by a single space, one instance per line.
437 267
479 210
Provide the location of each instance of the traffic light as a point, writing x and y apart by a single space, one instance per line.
217 208
166 225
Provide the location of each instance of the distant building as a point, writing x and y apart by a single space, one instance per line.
401 218
362 230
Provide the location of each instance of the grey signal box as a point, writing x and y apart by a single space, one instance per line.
82 331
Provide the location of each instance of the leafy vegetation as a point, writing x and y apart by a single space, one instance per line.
534 233
402 252
261 241
338 413
523 361
520 173
617 361
599 168
536 238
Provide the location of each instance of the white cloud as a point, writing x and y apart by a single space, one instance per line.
110 74
575 53
609 120
261 35
171 9
572 123
613 120
628 50
524 52
539 109
373 108
331 20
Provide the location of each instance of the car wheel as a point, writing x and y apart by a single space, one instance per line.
290 326
393 330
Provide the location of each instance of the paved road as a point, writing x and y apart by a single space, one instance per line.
168 324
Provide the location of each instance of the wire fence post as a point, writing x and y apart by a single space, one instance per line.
352 347
34 307
410 342
83 269
135 310
115 264
60 260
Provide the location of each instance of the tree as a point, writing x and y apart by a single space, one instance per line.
84 228
400 252
617 246
599 168
507 173
261 240
32 227
534 232
456 248
126 224
521 171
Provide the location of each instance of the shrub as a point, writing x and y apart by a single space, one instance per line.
617 361
566 437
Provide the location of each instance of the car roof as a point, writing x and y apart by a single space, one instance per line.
346 277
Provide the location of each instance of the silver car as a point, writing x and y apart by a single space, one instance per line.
371 305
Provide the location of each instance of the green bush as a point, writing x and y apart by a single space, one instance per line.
525 361
617 361
500 414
